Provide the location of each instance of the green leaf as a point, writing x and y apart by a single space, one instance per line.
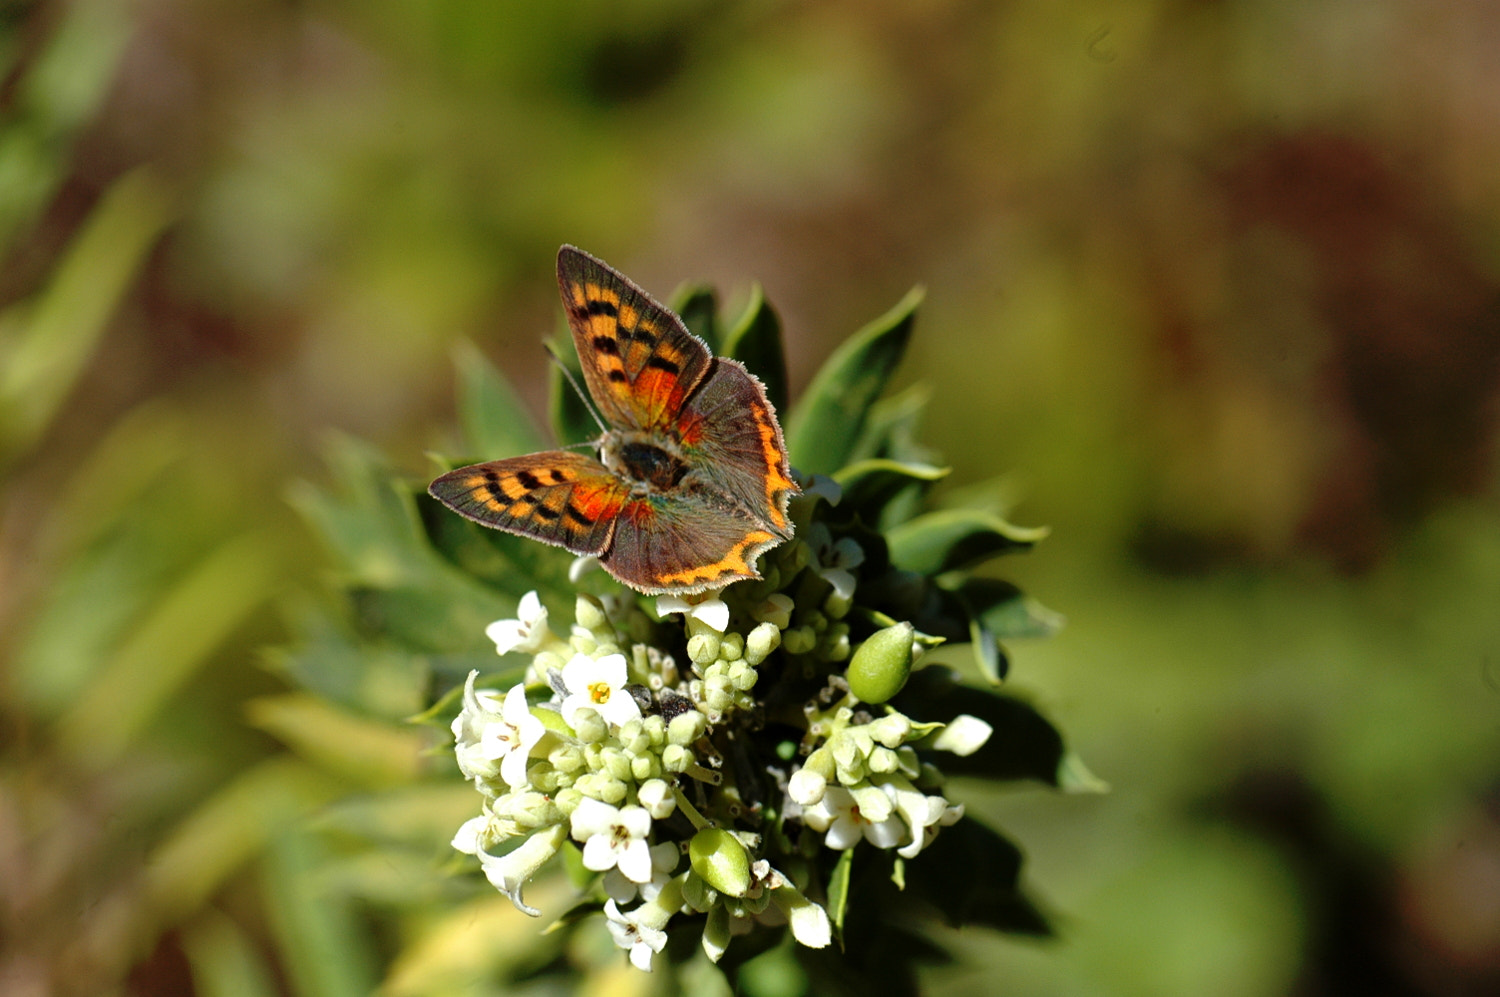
46 344
838 889
321 938
1006 611
871 485
988 654
970 874
890 429
1024 744
495 423
477 550
755 341
828 421
950 539
698 307
429 617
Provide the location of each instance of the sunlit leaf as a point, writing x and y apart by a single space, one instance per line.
825 425
949 539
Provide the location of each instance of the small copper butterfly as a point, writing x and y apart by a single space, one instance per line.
690 484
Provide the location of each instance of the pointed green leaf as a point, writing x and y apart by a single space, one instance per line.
698 307
755 341
827 422
871 485
988 654
971 875
1007 611
950 539
494 421
838 889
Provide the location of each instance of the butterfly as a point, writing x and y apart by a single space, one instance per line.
689 483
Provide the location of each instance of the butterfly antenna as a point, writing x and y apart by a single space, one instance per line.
566 372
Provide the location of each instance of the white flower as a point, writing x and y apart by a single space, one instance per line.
664 859
582 566
963 735
839 815
834 560
510 872
809 921
529 634
918 811
642 941
598 684
494 736
713 612
823 487
614 836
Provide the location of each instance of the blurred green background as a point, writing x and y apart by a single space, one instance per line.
1214 283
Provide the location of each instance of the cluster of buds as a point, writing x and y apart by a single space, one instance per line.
688 761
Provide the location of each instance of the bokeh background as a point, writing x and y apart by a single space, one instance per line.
1213 283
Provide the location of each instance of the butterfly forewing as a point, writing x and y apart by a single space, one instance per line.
640 362
557 497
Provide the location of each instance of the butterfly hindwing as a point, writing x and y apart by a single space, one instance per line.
662 545
555 496
730 427
640 362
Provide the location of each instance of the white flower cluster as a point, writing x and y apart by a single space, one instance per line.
861 783
580 759
609 743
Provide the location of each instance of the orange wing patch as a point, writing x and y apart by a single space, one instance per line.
772 452
735 564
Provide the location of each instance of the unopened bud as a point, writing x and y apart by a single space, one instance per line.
880 667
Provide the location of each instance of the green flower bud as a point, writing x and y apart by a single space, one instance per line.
589 726
656 731
643 767
676 758
879 668
764 639
703 649
617 764
721 860
731 647
742 676
589 614
799 640
547 661
633 737
883 761
686 728
776 610
567 800
835 643
838 606
610 790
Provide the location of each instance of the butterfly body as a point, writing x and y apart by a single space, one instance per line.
690 482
